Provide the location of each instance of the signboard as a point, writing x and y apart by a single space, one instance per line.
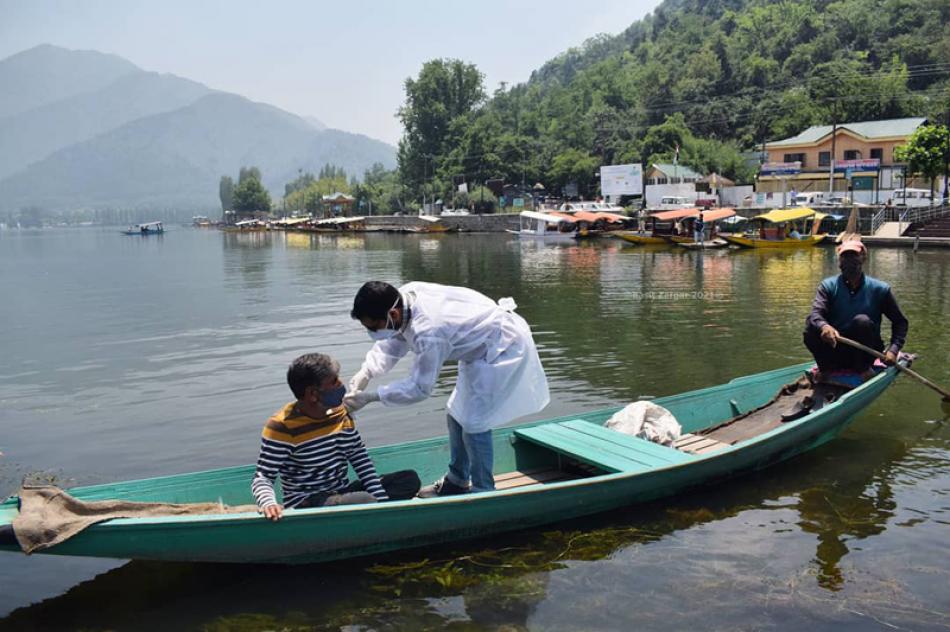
518 202
570 189
617 180
780 168
867 164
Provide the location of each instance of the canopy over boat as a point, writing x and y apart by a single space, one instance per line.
246 222
586 216
612 217
291 221
789 215
430 218
551 218
680 213
717 214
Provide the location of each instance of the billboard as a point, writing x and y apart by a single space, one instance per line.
867 164
780 168
617 180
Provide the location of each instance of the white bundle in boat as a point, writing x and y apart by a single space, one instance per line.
648 421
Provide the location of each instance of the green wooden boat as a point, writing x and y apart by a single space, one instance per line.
546 471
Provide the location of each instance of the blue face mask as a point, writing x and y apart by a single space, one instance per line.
333 398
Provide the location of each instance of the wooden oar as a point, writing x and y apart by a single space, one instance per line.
877 354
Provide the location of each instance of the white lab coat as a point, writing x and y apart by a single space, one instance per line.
500 377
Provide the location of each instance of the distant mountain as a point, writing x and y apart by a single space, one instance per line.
315 123
175 159
85 129
35 134
46 74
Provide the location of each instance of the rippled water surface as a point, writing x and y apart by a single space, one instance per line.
128 357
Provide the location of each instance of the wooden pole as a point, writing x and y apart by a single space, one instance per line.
877 354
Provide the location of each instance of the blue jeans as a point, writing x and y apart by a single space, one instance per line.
471 456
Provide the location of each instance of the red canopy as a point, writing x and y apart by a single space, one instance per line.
613 217
586 216
679 213
719 213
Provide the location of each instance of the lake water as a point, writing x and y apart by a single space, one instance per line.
127 357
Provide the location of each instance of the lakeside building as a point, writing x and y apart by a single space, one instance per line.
863 157
337 205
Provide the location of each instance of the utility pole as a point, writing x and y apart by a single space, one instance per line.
946 160
834 137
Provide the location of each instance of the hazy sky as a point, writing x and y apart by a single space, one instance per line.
343 62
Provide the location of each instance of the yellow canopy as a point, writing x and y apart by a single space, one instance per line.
786 215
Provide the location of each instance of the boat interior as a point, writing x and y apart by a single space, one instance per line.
713 420
577 448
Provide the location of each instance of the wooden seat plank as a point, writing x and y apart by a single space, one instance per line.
604 448
655 451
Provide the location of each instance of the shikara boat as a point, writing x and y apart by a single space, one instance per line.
774 236
148 228
546 226
659 227
709 219
546 471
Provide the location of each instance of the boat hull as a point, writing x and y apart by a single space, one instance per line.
754 242
329 533
550 237
640 238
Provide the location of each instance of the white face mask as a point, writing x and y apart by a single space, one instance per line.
389 331
382 334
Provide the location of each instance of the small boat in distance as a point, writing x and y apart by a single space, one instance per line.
545 471
553 227
148 228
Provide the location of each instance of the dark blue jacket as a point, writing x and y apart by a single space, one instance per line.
836 304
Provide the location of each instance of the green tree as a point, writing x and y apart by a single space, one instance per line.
573 165
444 90
250 196
226 193
925 151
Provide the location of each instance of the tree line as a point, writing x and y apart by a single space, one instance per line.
706 81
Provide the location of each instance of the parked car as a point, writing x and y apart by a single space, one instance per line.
913 197
671 203
837 200
812 198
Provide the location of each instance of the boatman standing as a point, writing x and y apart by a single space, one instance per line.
851 305
500 377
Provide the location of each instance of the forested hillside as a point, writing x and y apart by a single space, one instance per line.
714 78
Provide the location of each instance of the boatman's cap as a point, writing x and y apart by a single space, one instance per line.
851 246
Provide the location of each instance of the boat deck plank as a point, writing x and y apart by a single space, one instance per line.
510 480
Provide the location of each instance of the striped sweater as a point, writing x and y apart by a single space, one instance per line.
310 456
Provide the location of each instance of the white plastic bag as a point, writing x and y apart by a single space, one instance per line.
648 421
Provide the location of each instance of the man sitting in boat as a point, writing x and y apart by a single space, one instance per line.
309 442
500 377
851 305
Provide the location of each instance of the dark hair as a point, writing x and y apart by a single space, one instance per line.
310 369
374 300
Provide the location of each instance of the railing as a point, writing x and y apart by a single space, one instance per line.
925 213
879 218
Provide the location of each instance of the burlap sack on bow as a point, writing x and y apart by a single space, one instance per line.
48 515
